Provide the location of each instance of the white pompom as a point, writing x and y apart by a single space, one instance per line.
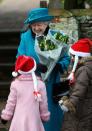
14 74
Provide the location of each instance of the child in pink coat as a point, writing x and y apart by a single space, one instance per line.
27 102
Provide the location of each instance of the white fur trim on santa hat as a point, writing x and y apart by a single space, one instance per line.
78 53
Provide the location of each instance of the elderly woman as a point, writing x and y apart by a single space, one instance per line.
38 24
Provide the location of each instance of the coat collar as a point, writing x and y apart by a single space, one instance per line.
27 77
85 59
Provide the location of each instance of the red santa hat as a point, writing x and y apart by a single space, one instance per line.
24 65
81 48
27 65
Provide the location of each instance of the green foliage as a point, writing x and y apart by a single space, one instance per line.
62 38
46 45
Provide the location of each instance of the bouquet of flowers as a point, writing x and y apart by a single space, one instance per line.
50 48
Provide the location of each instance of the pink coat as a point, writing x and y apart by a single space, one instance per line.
27 114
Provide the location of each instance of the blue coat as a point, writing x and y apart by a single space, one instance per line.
27 47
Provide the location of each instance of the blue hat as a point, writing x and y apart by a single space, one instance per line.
38 15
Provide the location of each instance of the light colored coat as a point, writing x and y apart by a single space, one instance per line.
26 113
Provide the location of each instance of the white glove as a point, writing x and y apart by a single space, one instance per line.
63 107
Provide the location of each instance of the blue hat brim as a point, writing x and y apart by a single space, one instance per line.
39 19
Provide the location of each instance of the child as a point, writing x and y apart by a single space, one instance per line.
27 102
78 106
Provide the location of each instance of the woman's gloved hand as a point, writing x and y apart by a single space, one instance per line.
58 67
41 68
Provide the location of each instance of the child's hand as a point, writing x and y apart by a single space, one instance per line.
69 105
63 107
66 105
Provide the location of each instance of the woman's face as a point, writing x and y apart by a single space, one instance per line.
39 27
